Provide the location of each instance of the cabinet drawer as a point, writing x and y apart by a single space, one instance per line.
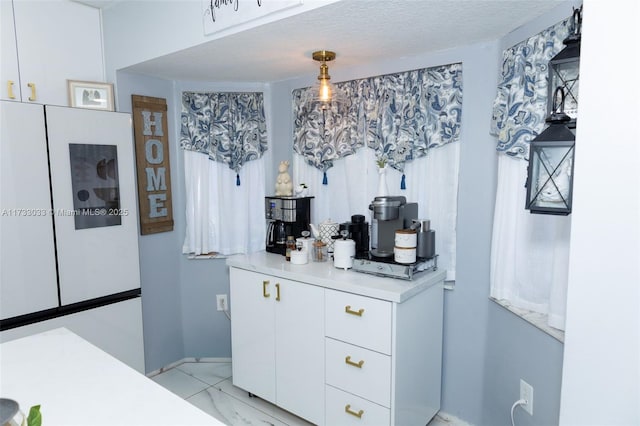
360 320
369 378
345 409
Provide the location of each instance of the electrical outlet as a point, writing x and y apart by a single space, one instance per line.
221 300
526 393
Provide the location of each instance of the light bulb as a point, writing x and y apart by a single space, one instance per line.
325 90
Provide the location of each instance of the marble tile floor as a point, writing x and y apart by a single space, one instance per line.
208 386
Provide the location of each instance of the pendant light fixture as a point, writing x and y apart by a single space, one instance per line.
324 93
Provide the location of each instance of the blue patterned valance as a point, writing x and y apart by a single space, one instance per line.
520 107
229 127
401 116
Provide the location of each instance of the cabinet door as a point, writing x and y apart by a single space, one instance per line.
97 222
27 258
57 40
300 349
253 333
9 78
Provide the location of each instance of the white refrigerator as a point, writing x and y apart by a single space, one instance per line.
69 226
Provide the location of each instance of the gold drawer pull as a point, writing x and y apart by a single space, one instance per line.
348 310
10 89
32 86
278 292
264 288
347 409
355 364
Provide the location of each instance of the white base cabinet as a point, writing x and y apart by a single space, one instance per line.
384 357
277 341
313 340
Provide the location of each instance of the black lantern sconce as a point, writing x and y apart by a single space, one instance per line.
551 153
551 158
564 71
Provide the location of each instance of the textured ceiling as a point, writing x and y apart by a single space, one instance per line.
359 31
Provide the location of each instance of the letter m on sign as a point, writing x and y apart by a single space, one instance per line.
152 161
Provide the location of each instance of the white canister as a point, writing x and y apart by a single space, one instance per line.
299 257
406 238
343 254
307 244
404 255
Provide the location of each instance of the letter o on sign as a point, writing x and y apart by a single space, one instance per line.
149 151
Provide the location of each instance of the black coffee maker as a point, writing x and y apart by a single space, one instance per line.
285 216
358 232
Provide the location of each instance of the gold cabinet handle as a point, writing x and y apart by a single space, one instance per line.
355 364
32 86
278 292
347 409
348 310
10 89
264 288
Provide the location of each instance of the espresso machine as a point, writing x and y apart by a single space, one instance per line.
285 216
390 213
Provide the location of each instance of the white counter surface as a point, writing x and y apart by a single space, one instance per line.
75 383
324 274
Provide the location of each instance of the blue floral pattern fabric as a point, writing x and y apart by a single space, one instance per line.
401 116
520 106
321 135
229 127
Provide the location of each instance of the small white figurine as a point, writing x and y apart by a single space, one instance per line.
284 186
301 190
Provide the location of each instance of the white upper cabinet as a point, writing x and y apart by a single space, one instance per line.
9 78
49 42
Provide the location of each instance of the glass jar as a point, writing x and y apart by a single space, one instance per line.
320 252
291 245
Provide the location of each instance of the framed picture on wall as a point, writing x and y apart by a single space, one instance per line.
90 94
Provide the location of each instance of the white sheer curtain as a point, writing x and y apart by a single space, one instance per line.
221 216
529 252
432 182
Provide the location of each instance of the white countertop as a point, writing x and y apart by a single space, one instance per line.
324 274
75 383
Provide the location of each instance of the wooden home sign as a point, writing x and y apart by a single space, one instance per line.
152 161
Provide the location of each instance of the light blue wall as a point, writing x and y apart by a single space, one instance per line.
466 307
517 350
480 378
486 349
206 332
514 348
179 295
159 253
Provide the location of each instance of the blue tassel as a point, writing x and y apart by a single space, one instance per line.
403 184
237 179
324 179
